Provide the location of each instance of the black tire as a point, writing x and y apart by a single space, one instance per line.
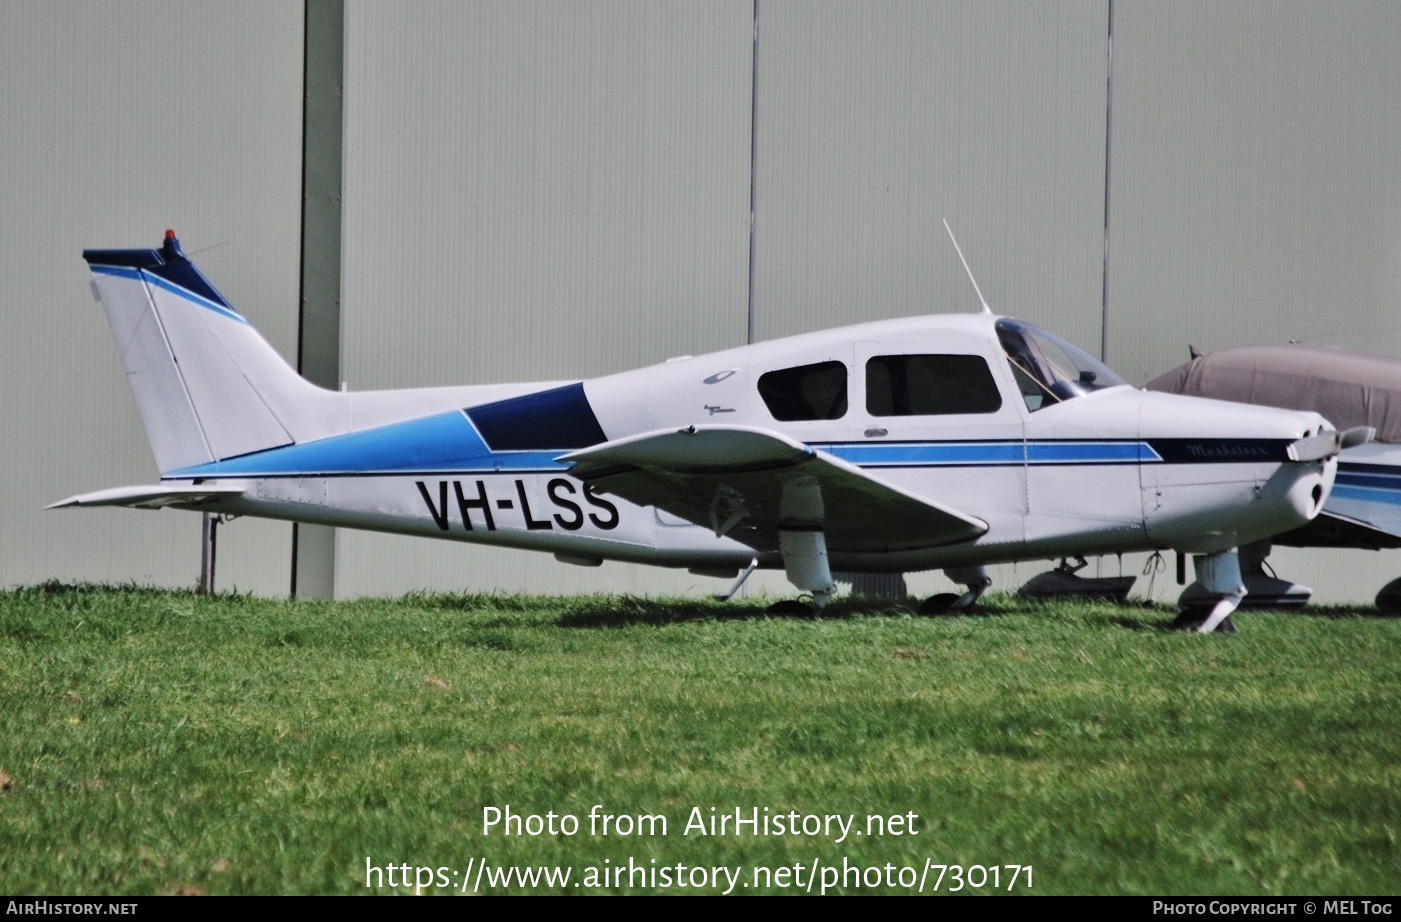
941 604
1389 598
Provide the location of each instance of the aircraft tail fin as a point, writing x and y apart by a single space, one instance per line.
207 385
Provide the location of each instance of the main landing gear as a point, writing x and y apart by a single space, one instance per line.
803 544
975 579
945 603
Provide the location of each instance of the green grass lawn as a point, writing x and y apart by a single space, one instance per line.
154 742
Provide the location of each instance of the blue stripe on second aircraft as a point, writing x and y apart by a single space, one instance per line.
1368 483
1389 482
1391 496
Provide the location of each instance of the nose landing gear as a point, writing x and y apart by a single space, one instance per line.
1222 590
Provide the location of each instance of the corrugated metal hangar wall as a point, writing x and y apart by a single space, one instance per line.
550 191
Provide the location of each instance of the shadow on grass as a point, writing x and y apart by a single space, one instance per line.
1333 612
1134 615
59 590
1140 624
474 602
1167 620
56 589
628 610
622 611
582 611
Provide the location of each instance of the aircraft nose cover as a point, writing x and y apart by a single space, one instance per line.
1349 388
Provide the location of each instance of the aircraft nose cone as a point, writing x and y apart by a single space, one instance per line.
1296 492
1232 473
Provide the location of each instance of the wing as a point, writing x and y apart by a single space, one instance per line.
1329 529
156 496
750 483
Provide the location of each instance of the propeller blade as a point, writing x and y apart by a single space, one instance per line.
1316 447
1358 435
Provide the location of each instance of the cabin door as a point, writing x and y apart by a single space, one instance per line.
946 424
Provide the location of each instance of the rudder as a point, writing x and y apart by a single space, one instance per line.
206 383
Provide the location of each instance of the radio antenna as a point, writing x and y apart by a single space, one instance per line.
956 249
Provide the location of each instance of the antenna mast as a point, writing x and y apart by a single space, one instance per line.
956 249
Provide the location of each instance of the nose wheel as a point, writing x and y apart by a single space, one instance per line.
1220 579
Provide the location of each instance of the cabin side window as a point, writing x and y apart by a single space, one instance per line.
805 392
930 385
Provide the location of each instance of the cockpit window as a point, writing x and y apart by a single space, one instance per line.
930 385
1047 368
815 391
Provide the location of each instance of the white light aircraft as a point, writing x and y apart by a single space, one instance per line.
945 441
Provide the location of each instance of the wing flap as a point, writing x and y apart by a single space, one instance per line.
751 483
155 496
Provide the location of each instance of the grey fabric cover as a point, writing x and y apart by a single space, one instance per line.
1349 388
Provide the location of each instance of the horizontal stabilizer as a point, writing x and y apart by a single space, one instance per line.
751 483
156 496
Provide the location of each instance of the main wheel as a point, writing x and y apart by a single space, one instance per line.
941 604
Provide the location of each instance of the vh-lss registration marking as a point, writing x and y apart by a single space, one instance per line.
475 502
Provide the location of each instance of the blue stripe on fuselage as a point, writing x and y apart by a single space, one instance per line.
450 441
959 454
445 441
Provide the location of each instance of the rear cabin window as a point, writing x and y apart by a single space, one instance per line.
930 385
815 391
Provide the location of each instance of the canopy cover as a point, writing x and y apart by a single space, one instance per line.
1349 388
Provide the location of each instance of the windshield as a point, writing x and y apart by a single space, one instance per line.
1047 368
